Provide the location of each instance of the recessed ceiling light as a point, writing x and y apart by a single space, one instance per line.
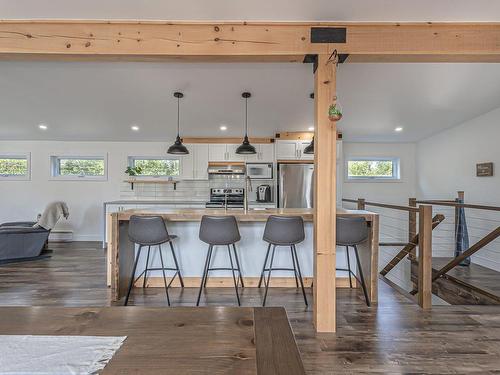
43 126
398 129
223 128
311 128
134 128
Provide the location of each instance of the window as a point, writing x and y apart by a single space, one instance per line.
15 166
156 167
373 169
78 167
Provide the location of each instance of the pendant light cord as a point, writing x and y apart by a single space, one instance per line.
246 116
178 115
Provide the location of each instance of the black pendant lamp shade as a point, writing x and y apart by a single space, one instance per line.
246 148
310 147
178 148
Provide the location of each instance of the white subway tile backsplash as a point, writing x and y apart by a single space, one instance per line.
186 190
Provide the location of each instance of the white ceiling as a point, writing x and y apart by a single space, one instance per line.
279 10
102 100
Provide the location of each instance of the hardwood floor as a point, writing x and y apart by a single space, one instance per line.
393 337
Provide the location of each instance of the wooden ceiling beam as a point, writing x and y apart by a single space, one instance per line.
242 41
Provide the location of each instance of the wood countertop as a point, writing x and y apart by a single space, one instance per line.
251 215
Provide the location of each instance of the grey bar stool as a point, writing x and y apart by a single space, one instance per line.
151 231
352 231
220 231
283 231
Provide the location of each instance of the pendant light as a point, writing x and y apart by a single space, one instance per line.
310 147
246 148
178 148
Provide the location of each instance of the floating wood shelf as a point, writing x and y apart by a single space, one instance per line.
155 181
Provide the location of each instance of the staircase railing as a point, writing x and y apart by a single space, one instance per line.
423 240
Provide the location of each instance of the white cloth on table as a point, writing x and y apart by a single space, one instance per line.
56 355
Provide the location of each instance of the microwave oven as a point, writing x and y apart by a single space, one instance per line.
260 171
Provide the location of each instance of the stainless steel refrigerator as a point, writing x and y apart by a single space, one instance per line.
295 185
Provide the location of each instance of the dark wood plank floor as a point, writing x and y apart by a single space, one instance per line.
393 337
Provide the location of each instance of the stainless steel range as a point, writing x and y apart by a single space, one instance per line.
226 198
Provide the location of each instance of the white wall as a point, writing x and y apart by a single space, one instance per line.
23 200
446 163
393 224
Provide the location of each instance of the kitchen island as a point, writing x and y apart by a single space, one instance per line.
251 249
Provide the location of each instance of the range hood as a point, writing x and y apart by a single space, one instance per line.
226 168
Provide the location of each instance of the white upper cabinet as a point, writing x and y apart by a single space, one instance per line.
302 156
286 150
266 153
201 161
227 152
292 150
217 152
231 153
195 164
187 164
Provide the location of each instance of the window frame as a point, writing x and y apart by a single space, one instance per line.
396 169
54 167
132 159
17 155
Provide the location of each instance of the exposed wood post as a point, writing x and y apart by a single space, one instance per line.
361 204
325 144
425 256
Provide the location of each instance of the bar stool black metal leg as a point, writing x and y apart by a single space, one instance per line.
264 266
300 275
238 265
294 268
164 277
269 275
205 270
349 266
234 275
132 277
363 285
208 267
176 265
146 270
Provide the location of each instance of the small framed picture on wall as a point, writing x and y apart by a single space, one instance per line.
484 169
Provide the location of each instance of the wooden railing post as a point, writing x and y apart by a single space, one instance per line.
425 256
412 222
361 204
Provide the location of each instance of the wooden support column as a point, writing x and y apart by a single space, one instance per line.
425 256
325 144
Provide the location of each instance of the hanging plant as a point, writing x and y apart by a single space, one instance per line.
133 171
335 111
